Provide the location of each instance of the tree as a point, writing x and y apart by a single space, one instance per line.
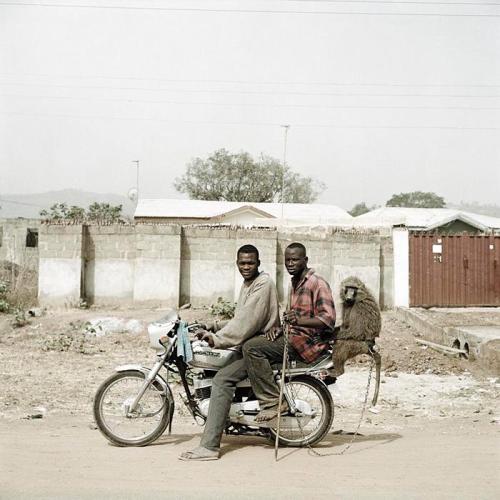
99 213
416 199
239 177
360 209
104 213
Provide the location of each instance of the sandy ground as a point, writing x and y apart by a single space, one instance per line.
434 433
63 458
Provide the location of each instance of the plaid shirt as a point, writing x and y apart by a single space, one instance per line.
311 297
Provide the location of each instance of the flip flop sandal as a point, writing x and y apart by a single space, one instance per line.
269 414
199 454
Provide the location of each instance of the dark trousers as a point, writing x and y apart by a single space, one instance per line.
259 354
223 387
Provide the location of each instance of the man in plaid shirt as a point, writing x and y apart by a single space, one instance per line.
311 316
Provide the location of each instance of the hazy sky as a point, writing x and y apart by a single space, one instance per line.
377 104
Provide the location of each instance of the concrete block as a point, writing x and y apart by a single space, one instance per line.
157 280
369 275
109 280
203 281
59 281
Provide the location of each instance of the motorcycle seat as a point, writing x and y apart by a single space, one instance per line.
322 363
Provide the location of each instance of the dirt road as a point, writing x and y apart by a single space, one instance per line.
434 434
63 458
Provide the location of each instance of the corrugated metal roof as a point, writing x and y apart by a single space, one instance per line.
170 208
424 218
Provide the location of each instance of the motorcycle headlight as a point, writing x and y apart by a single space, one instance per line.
156 331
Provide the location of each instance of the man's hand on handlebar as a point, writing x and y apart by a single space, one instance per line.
206 325
208 337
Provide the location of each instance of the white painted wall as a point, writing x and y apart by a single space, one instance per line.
109 279
59 280
157 280
401 250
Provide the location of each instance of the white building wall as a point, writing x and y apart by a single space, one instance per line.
401 250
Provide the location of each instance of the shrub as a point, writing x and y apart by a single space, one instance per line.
223 308
4 303
20 318
77 339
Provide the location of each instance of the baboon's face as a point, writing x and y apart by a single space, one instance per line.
350 293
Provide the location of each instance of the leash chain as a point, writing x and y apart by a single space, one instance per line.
361 418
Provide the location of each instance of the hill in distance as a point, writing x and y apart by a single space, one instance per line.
29 205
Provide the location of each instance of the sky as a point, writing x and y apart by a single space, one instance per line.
382 96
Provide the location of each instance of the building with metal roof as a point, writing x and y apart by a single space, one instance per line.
442 220
238 213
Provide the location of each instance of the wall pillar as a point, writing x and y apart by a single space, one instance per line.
60 265
157 264
401 248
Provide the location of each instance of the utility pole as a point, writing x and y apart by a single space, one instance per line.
285 127
137 179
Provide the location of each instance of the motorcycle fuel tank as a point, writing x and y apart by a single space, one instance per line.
209 358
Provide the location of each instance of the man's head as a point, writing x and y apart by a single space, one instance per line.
247 260
296 259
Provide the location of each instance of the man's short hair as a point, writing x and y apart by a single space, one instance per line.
298 245
248 249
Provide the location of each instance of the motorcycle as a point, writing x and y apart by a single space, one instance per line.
135 405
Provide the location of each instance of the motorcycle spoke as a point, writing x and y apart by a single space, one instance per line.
116 400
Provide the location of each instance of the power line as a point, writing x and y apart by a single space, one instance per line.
239 11
253 124
250 92
245 104
390 2
254 82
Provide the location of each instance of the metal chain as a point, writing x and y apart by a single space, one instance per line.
356 432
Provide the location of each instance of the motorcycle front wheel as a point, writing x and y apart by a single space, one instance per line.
138 428
314 417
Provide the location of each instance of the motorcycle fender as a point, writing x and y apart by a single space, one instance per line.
143 369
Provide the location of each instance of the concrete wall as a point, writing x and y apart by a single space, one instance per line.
336 254
109 263
157 264
13 247
208 257
170 265
61 264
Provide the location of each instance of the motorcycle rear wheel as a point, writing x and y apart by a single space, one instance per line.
316 394
110 410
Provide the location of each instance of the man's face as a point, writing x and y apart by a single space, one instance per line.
248 265
295 261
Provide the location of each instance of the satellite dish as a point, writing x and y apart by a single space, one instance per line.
132 194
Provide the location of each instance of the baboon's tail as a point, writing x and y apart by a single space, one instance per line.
378 363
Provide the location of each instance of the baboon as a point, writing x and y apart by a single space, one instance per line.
361 324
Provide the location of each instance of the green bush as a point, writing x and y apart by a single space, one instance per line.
20 318
223 308
4 304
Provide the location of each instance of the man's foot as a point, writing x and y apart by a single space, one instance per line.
199 454
268 414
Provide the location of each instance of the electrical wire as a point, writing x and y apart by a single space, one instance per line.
245 104
243 123
390 2
240 11
255 82
250 92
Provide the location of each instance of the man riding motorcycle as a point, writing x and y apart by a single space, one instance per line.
257 311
